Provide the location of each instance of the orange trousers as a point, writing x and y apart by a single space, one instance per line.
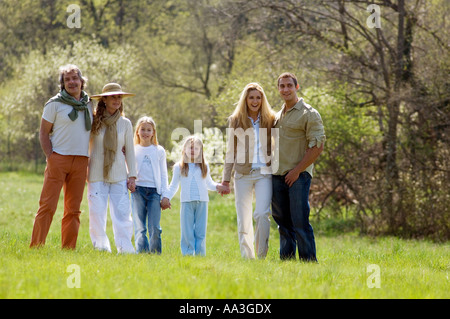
68 172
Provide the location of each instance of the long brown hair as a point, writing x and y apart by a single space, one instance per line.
99 115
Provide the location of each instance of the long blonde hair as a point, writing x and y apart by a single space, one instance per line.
142 120
239 117
186 157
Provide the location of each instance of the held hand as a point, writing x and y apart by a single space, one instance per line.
224 189
221 189
228 189
131 184
165 203
291 177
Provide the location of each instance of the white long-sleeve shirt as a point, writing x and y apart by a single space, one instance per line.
203 184
157 177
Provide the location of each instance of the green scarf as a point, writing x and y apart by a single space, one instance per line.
109 141
80 105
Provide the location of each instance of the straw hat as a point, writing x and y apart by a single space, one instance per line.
112 89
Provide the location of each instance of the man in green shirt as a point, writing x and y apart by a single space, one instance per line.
301 140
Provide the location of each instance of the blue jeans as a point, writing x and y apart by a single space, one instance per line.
193 220
290 210
146 216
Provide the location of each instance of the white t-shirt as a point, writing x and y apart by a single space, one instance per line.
145 176
68 137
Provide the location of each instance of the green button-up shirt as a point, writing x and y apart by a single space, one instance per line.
299 128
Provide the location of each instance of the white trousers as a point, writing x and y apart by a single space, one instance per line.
99 193
244 185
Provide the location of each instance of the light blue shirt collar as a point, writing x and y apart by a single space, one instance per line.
257 120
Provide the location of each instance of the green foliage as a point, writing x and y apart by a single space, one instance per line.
35 80
383 93
350 152
347 124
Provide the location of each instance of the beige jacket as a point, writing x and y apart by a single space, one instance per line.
240 146
124 166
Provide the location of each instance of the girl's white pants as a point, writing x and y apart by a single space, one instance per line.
244 186
99 194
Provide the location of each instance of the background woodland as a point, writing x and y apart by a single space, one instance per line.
383 93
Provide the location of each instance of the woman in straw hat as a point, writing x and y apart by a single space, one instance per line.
108 177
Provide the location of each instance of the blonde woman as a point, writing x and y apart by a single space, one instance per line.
192 172
251 121
111 171
151 182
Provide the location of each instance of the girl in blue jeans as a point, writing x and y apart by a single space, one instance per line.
192 172
151 182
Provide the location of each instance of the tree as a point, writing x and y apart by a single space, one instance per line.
193 51
35 80
384 65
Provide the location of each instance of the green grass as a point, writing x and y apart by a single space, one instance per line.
408 268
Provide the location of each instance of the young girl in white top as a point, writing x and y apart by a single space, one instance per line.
192 172
151 182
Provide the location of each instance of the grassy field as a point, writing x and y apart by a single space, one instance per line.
403 269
